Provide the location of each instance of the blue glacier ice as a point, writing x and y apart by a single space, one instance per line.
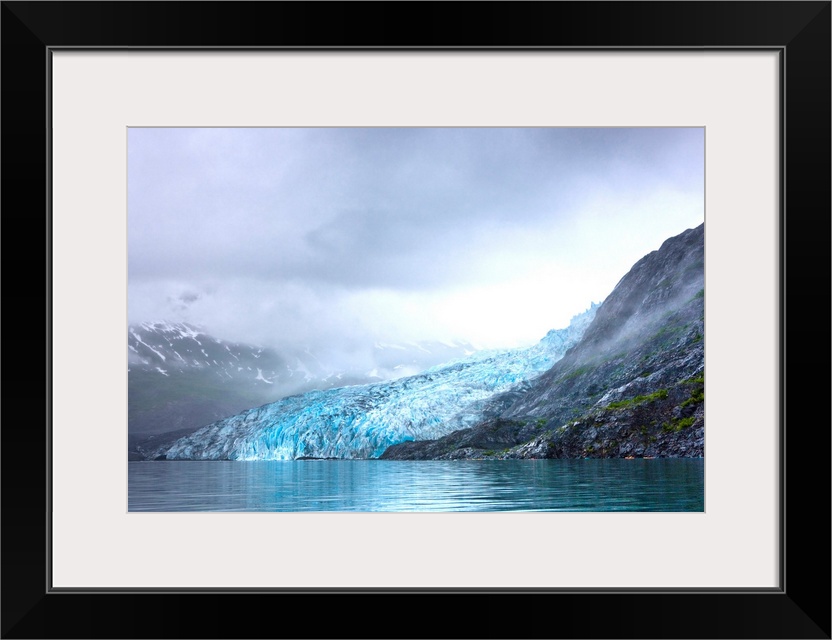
362 421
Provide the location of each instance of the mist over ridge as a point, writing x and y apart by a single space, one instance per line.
625 379
336 239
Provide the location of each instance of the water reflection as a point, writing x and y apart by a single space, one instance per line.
382 485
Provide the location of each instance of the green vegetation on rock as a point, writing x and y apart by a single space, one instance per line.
697 394
661 394
677 424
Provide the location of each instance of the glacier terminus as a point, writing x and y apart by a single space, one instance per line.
362 421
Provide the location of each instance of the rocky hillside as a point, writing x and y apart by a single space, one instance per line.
633 386
181 377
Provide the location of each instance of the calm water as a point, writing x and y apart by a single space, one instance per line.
387 485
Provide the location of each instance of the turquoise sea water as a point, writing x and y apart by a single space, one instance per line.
388 485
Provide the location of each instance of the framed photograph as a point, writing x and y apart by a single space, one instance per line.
110 106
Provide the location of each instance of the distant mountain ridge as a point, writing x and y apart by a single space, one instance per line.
162 347
181 377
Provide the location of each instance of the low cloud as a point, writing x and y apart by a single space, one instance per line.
336 238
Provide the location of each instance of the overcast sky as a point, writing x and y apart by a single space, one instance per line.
338 237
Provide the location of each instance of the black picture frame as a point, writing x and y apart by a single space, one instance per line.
799 608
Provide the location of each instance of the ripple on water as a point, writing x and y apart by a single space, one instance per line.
422 486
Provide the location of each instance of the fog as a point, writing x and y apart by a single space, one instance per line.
334 239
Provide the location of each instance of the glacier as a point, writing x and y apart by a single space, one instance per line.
362 421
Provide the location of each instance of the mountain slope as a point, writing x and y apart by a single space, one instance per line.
633 386
362 421
181 378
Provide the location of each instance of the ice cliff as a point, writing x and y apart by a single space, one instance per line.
362 421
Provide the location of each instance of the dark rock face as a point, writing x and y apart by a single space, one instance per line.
671 426
484 440
633 386
142 446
